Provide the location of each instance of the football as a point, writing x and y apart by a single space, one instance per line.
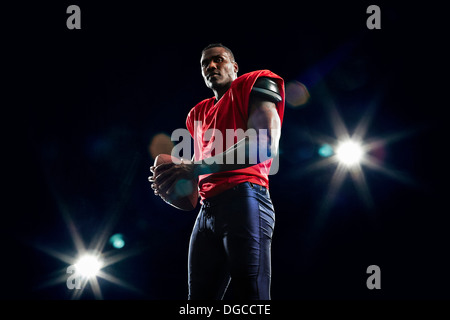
185 195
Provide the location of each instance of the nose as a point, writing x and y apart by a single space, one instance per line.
211 66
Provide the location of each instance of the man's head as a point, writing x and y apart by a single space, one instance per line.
218 67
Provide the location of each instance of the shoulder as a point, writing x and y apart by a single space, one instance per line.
195 113
254 75
199 106
245 82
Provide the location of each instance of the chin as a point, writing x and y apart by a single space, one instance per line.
211 84
217 85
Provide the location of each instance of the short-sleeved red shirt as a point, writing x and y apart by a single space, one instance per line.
230 112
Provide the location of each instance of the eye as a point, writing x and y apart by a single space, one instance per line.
218 59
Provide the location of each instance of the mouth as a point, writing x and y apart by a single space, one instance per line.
211 75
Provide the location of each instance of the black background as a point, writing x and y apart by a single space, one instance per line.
83 105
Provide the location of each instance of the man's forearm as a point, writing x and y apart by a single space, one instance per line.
245 153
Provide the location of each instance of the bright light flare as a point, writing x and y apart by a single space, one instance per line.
349 153
91 261
88 265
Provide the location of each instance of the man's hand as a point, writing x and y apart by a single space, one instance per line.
165 175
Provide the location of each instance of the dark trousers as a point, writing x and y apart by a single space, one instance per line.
231 240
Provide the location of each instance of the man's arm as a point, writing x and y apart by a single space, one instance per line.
263 118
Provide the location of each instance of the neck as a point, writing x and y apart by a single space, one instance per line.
219 92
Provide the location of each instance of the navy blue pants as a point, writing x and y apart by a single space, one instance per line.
231 240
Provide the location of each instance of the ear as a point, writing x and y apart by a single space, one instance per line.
236 67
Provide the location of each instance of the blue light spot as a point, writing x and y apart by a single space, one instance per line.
326 150
117 241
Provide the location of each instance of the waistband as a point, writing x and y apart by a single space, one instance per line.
232 192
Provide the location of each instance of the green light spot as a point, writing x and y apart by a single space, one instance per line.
326 150
117 241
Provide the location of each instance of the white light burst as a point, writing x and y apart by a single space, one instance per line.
349 153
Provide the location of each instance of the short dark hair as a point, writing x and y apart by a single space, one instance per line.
215 45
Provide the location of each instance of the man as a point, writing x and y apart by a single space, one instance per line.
231 239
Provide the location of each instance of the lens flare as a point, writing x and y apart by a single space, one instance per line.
161 143
88 265
326 150
352 154
349 153
296 94
117 241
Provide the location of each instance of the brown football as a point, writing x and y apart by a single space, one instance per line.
185 195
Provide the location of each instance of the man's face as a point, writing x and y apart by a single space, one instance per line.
218 68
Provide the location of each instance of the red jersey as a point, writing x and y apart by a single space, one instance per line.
230 112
